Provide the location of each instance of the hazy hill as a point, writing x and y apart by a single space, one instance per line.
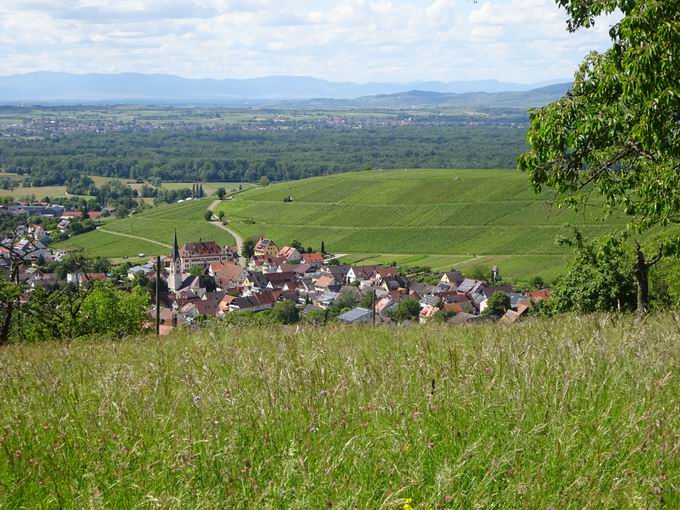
135 87
428 99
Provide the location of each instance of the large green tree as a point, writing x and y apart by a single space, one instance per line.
616 134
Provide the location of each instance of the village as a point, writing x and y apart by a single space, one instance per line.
202 280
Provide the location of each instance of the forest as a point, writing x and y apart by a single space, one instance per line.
237 154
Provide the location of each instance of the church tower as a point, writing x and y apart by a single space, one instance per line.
175 278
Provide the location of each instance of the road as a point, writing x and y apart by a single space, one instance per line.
234 234
100 229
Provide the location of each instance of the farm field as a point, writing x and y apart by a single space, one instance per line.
156 224
40 192
418 217
571 412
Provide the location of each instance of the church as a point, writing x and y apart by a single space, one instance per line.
195 254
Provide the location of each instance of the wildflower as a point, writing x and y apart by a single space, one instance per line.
407 505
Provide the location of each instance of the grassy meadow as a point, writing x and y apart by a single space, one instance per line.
568 413
433 217
156 224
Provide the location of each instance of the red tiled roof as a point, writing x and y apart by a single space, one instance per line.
312 258
201 248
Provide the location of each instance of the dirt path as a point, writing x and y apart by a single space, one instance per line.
234 234
100 229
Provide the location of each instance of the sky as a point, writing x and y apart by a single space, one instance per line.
522 41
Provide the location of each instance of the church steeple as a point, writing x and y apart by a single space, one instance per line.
175 248
175 278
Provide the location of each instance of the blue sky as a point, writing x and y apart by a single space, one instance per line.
344 40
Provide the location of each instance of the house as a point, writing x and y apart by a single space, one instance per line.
227 274
468 286
312 258
539 295
32 250
360 273
382 272
452 278
394 282
147 269
64 225
40 279
72 215
265 263
278 280
386 305
298 269
93 215
338 272
323 282
266 247
254 303
290 254
255 281
38 233
454 303
512 316
202 254
326 298
357 316
426 313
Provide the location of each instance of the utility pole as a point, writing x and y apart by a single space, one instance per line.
373 307
158 295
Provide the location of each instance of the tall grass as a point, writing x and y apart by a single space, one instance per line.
570 413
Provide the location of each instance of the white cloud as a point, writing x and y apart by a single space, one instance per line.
359 40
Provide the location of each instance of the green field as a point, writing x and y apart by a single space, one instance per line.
428 217
575 412
156 224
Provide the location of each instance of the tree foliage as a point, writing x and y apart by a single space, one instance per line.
285 312
616 132
599 279
615 135
497 305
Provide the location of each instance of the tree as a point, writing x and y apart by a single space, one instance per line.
220 215
248 249
323 248
615 133
264 181
597 280
221 193
109 311
497 305
298 246
408 309
208 215
480 273
537 282
285 312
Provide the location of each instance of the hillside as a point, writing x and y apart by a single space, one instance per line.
155 227
416 99
568 413
439 218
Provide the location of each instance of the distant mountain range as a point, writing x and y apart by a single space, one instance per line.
65 88
415 99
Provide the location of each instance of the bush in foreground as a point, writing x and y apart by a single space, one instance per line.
568 413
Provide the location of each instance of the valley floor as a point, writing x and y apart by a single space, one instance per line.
576 412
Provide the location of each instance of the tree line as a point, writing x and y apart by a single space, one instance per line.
236 154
